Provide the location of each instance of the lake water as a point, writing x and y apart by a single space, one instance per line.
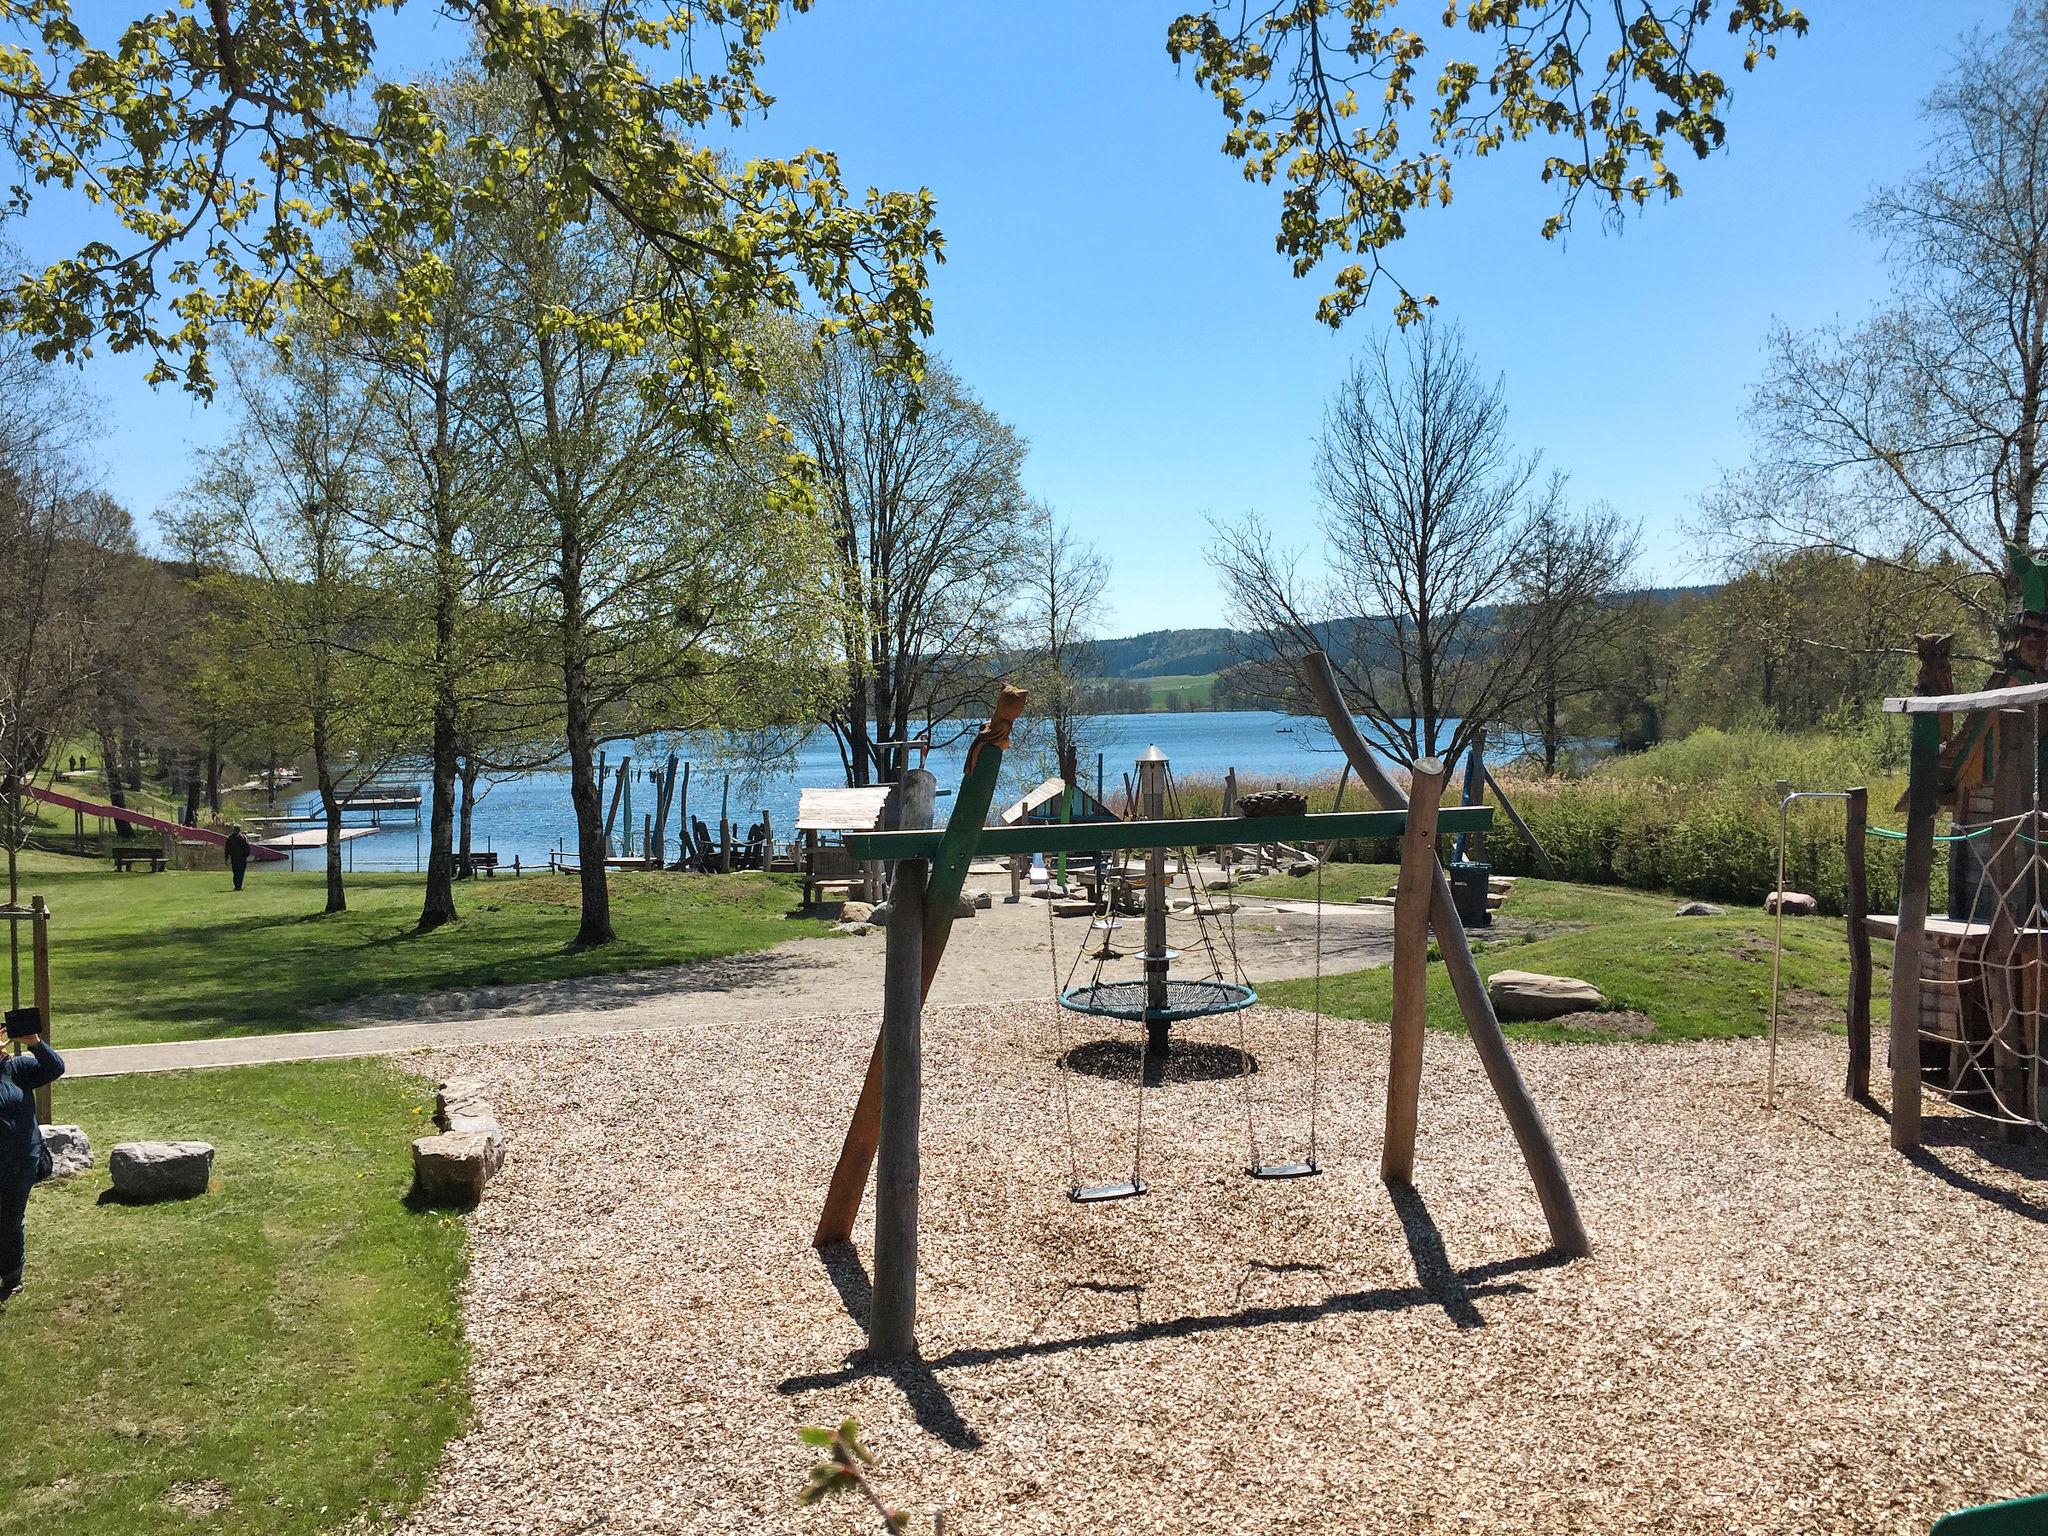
528 814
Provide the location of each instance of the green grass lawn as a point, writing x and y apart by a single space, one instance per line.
181 956
1694 978
283 1354
1192 688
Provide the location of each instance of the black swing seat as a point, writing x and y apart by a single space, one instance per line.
1090 1194
1284 1170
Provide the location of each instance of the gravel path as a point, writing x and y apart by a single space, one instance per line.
1786 1328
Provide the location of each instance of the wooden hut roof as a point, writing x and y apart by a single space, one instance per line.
841 810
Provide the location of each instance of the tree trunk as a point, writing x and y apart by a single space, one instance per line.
330 810
439 907
213 776
584 794
468 808
192 789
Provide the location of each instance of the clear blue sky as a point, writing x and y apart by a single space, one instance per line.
1111 285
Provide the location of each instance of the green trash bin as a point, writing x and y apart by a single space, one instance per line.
1468 892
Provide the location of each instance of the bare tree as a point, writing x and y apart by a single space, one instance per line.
1427 513
1915 438
1573 618
932 531
1064 589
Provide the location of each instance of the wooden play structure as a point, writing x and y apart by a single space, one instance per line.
930 865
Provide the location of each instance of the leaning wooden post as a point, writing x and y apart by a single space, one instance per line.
1411 971
1546 1171
948 875
892 1319
1855 868
39 942
1914 878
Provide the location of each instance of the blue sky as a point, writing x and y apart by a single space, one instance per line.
1111 286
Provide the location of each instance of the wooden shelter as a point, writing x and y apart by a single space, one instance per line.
823 817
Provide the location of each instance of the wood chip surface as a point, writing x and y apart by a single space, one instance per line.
1786 1327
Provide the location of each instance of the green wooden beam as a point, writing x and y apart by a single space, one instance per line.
1190 832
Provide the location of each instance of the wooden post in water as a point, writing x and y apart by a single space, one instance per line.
683 834
1411 971
1855 869
725 825
1914 879
892 1319
1546 1170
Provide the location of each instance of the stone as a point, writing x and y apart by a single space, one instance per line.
857 912
1302 868
982 900
856 929
1797 904
1532 995
879 915
964 907
160 1170
453 1167
460 1098
1700 909
70 1150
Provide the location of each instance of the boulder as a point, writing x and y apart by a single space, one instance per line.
983 901
1532 995
460 1106
1700 909
1797 904
857 930
70 1150
964 907
879 915
160 1170
1302 868
453 1167
857 912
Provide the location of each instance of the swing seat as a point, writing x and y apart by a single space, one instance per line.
1184 999
1092 1194
1284 1170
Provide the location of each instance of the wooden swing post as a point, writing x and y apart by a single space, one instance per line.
1546 1170
1411 971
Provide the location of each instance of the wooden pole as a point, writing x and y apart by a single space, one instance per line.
1914 878
1471 845
1544 867
1546 1171
1411 971
39 943
618 789
725 825
683 834
1855 867
949 873
892 1319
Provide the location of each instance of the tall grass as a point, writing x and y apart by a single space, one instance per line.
1698 816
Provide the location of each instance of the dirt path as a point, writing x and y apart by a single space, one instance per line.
1003 953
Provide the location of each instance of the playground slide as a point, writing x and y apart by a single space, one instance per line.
141 819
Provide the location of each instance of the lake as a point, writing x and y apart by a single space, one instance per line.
528 814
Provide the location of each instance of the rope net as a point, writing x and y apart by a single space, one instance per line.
1983 975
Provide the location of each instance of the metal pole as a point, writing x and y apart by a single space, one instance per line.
1152 807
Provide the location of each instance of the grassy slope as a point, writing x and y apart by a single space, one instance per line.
181 956
288 1345
1694 977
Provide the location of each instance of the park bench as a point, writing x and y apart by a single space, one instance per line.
129 854
469 866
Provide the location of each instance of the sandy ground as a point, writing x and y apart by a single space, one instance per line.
1785 1328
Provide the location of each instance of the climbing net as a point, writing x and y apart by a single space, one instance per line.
1983 982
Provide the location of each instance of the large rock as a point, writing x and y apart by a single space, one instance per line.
1797 904
160 1170
857 912
963 907
453 1167
460 1107
70 1150
1700 909
856 930
1532 995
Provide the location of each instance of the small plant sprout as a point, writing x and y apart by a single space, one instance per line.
844 1470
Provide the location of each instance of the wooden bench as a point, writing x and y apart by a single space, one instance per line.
129 855
470 866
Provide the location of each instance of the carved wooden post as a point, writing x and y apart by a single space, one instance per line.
892 1323
1855 868
1913 883
1411 971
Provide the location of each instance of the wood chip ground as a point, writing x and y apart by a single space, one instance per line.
1786 1327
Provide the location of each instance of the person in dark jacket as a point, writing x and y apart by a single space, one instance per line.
23 1158
238 855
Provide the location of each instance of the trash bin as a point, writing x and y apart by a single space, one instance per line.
1468 892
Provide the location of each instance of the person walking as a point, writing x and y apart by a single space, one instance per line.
24 1160
238 854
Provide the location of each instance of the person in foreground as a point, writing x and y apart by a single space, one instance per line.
24 1160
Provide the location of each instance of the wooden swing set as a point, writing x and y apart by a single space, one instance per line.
930 866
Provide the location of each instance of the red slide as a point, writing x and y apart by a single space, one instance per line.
139 819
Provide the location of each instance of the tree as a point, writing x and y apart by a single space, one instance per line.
297 618
1428 514
1064 589
1324 99
931 529
680 574
1573 619
229 150
1916 437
